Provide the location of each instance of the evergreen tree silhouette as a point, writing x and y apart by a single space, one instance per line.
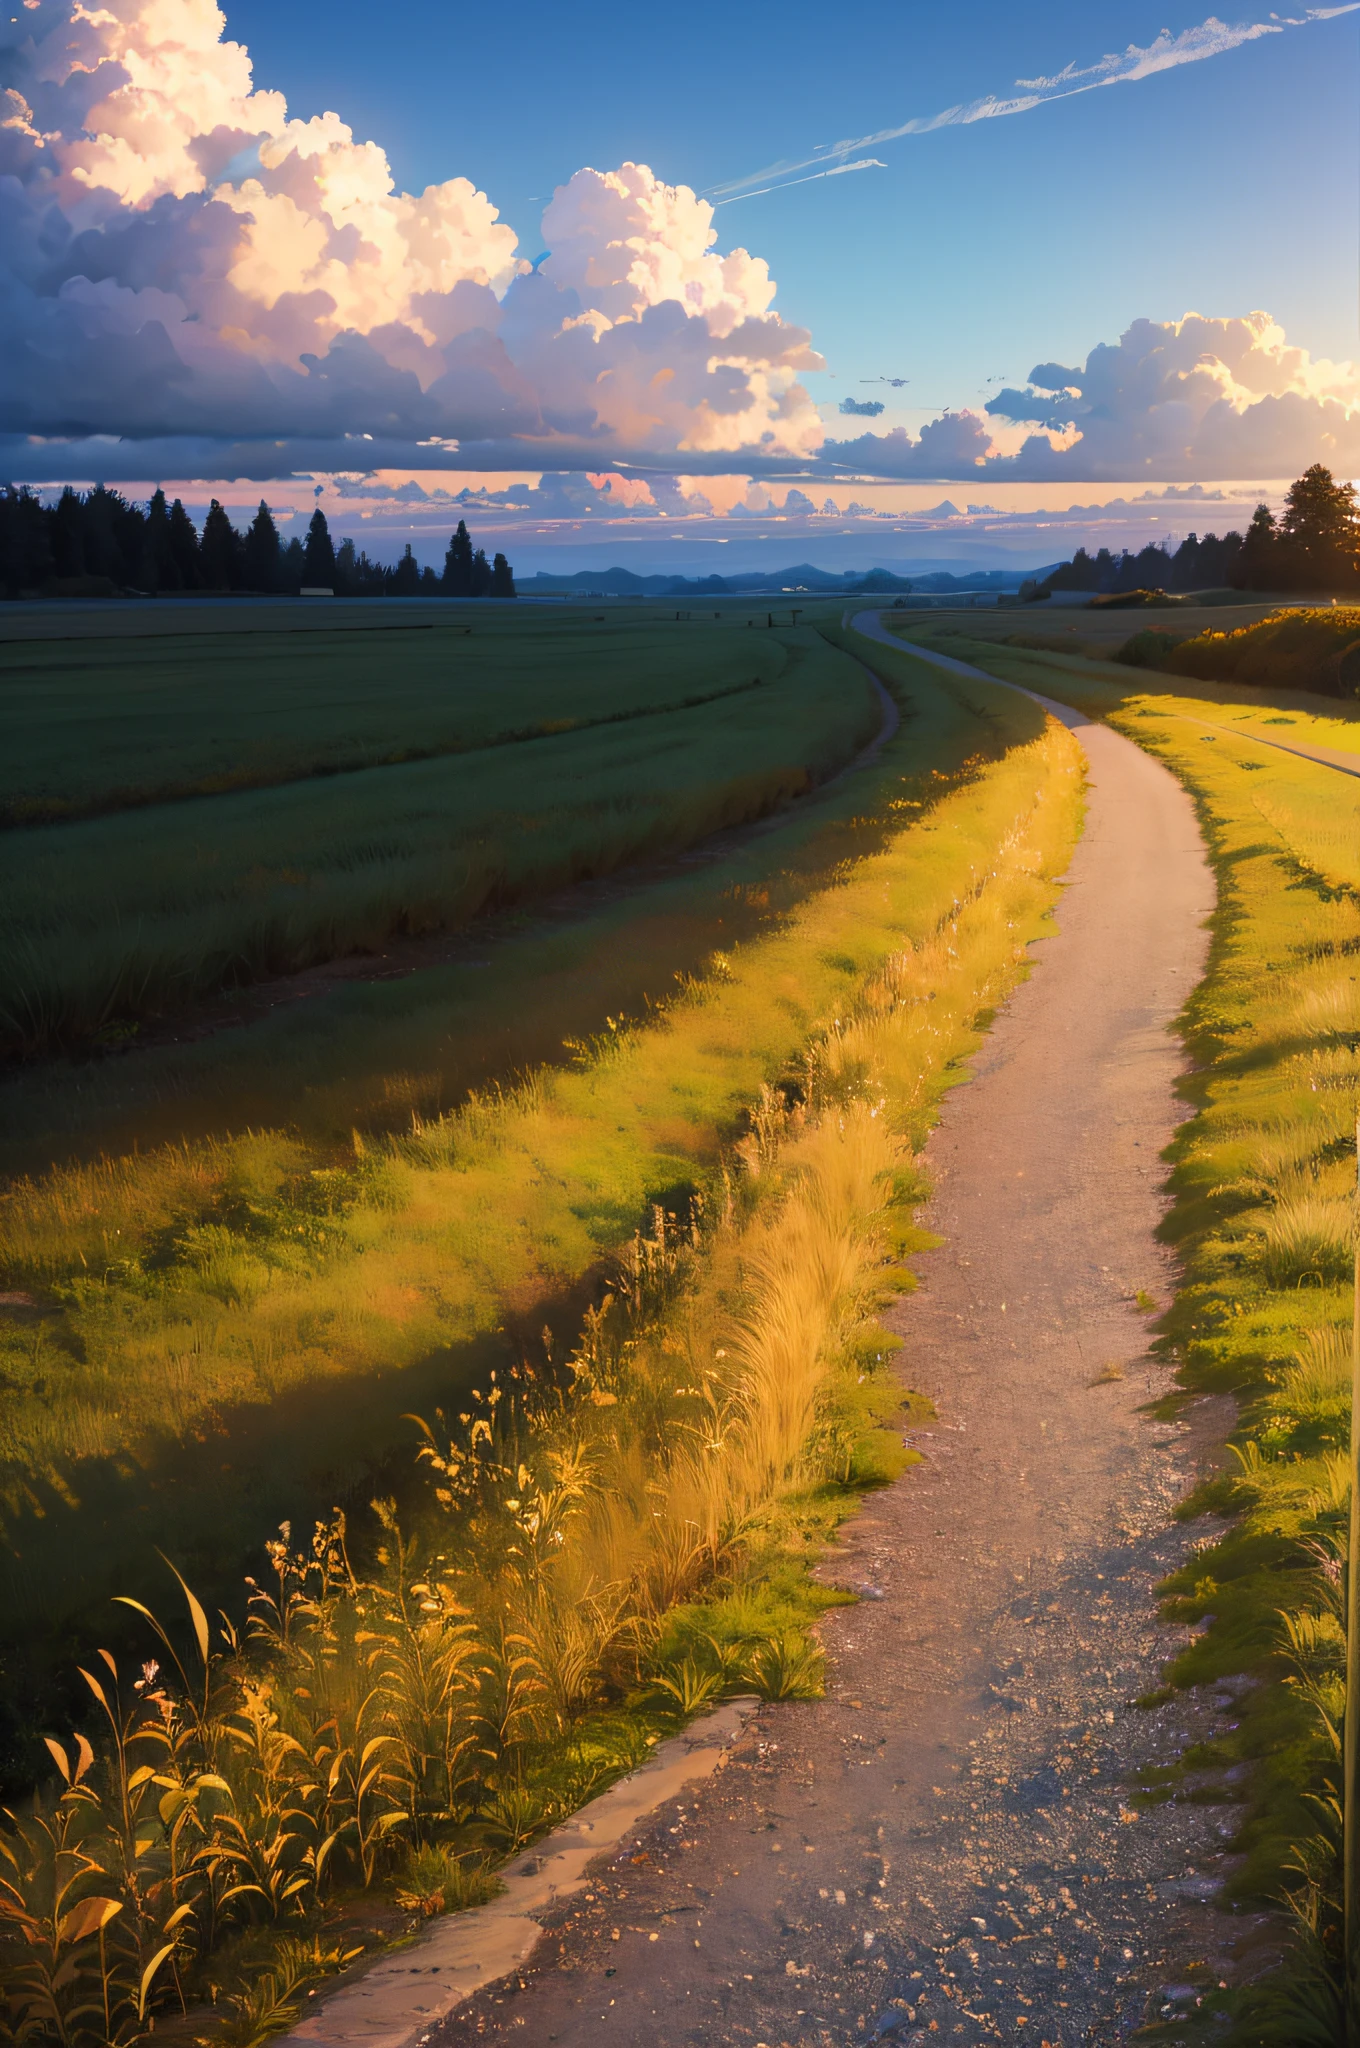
159 569
25 541
292 567
406 576
68 535
457 578
1258 565
502 578
481 574
1319 531
261 551
220 550
318 565
184 548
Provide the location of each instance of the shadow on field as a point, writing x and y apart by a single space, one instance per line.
209 1502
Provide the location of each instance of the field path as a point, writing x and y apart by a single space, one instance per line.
944 1848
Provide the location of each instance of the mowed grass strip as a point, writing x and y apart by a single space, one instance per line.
150 716
118 918
215 1289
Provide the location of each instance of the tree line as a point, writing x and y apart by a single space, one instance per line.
98 544
1314 546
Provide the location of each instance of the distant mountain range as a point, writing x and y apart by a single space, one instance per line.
774 583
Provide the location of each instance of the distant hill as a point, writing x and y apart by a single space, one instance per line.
774 582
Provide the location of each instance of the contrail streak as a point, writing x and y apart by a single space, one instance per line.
865 163
1213 38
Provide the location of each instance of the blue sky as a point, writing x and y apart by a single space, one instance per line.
203 283
1222 186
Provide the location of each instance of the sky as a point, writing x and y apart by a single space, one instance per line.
212 274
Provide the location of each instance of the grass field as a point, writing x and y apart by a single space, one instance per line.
1264 1216
112 919
149 715
411 1029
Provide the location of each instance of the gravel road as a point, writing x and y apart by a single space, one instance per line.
947 1847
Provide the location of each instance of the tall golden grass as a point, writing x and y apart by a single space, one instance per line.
365 1720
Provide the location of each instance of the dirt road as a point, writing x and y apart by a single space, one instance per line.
945 1848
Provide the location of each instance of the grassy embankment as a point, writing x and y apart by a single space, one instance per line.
448 1702
278 817
1263 1176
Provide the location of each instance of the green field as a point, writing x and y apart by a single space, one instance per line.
156 709
552 753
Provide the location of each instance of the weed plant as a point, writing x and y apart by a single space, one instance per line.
616 1535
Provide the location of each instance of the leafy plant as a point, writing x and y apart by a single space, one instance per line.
274 2000
788 1668
688 1689
435 1880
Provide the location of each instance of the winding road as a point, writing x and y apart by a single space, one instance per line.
944 1847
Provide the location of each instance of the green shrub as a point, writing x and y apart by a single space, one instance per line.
1148 649
1312 649
1134 600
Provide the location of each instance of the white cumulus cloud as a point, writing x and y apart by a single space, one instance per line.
1172 400
181 261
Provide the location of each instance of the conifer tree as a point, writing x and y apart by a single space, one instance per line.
502 578
406 576
25 541
220 550
261 551
457 577
481 574
105 519
184 548
68 535
1185 565
1320 530
318 568
1258 564
292 567
159 570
